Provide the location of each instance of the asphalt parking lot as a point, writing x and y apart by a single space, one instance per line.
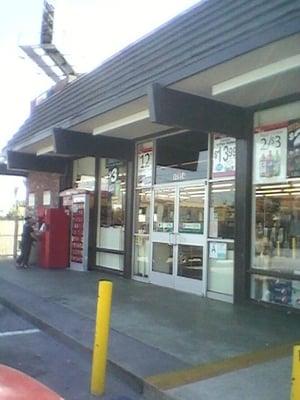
25 347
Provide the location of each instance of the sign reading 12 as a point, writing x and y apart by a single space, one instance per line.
144 160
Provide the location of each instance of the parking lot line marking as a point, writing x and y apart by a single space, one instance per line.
22 332
170 380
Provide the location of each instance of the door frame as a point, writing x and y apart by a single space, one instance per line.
173 281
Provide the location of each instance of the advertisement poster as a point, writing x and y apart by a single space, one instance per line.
224 157
144 164
218 250
293 149
77 231
270 154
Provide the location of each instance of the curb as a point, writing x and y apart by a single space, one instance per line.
137 383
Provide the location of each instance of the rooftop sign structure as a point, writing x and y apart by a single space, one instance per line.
45 54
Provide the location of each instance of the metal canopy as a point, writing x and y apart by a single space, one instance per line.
183 110
78 144
31 162
50 60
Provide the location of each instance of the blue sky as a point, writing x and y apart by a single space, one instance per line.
87 31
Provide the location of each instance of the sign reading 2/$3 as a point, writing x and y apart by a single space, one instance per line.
277 152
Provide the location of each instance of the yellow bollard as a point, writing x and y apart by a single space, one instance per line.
101 337
295 389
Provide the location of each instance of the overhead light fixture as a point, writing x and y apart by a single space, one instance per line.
45 150
257 74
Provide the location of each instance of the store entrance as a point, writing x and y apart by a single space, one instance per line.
178 239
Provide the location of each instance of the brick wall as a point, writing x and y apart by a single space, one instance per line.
37 184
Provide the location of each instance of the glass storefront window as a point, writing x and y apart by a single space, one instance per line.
283 292
141 256
181 157
220 267
110 260
191 209
190 261
142 211
277 228
222 210
112 204
84 173
276 216
162 258
164 200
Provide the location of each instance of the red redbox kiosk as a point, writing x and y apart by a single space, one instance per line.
55 239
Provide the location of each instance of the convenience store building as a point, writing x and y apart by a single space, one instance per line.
189 143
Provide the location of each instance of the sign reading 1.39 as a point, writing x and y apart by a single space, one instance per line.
224 157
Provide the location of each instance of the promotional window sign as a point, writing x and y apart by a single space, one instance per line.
223 157
293 149
144 164
270 155
218 250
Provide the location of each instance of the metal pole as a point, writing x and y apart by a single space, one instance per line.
16 227
101 337
295 386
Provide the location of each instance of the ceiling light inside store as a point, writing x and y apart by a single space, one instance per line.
275 186
276 194
269 191
293 179
222 190
219 185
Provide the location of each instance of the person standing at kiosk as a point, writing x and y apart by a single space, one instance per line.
28 237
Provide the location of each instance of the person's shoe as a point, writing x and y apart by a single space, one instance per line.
25 266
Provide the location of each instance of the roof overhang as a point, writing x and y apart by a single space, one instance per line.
196 112
6 171
30 162
78 144
252 84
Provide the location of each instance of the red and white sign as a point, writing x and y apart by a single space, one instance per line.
223 157
144 164
270 155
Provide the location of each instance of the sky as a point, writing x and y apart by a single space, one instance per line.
86 31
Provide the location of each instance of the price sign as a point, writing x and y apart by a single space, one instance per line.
270 156
144 164
223 157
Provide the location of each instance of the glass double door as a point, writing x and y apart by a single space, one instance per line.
178 236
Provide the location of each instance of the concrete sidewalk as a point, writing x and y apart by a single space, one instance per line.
162 341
